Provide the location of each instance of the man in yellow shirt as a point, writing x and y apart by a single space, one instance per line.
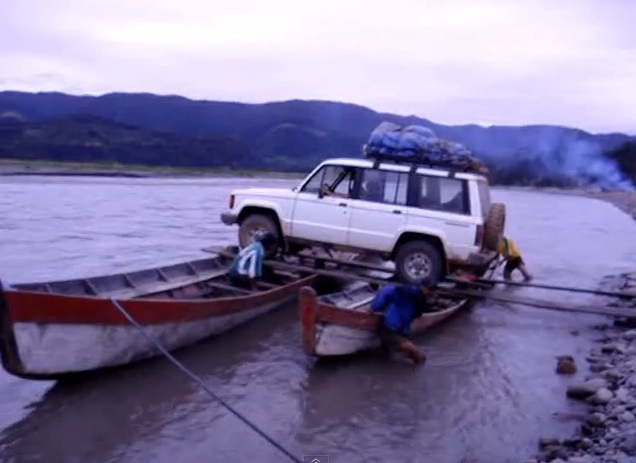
509 251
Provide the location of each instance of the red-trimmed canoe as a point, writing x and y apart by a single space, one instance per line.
339 323
55 329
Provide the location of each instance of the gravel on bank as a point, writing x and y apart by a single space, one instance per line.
607 434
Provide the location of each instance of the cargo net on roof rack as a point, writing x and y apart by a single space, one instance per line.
415 144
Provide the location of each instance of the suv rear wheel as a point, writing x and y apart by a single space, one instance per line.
256 224
417 260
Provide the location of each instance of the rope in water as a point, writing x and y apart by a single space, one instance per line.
200 382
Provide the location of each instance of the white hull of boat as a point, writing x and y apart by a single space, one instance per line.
341 340
61 348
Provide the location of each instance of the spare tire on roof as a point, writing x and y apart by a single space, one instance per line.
495 226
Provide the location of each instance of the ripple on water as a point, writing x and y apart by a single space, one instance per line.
486 394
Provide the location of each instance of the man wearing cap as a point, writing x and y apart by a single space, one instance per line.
247 266
401 305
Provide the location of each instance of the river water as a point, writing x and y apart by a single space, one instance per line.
487 393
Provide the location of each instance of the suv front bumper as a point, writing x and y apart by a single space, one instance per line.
228 218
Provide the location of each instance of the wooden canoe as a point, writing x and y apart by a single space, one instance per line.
339 323
55 329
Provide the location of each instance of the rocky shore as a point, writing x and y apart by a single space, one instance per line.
607 433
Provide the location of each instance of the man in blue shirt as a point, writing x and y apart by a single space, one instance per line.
401 305
247 266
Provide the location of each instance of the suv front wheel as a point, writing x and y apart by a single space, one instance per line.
417 260
256 224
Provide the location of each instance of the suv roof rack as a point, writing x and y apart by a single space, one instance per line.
414 164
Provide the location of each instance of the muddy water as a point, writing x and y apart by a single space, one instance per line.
487 393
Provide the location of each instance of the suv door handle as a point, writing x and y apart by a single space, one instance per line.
397 211
342 204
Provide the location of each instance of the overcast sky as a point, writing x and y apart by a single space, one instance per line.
568 62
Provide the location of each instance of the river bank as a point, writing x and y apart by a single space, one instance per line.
607 433
11 167
624 200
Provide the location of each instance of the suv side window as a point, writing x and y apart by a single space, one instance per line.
484 197
338 178
443 194
384 186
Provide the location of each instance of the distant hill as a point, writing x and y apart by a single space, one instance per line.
93 139
294 135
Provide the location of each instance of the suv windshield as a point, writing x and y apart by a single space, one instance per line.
339 178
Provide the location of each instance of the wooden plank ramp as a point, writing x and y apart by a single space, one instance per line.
309 257
610 311
482 288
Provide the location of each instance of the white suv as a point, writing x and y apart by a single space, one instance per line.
428 221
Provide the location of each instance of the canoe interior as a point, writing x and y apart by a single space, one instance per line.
195 279
358 297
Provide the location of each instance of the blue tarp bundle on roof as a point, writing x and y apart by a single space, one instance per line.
418 144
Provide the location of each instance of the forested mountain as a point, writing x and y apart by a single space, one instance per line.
290 135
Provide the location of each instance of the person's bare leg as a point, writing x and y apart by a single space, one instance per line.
524 271
507 274
412 352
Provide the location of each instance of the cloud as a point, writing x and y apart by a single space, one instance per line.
571 62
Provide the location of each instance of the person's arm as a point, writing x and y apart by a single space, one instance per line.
381 299
327 192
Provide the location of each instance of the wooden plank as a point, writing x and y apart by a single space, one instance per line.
610 311
162 275
265 284
191 268
469 283
129 281
338 274
350 263
292 275
330 273
216 284
91 288
355 264
598 292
